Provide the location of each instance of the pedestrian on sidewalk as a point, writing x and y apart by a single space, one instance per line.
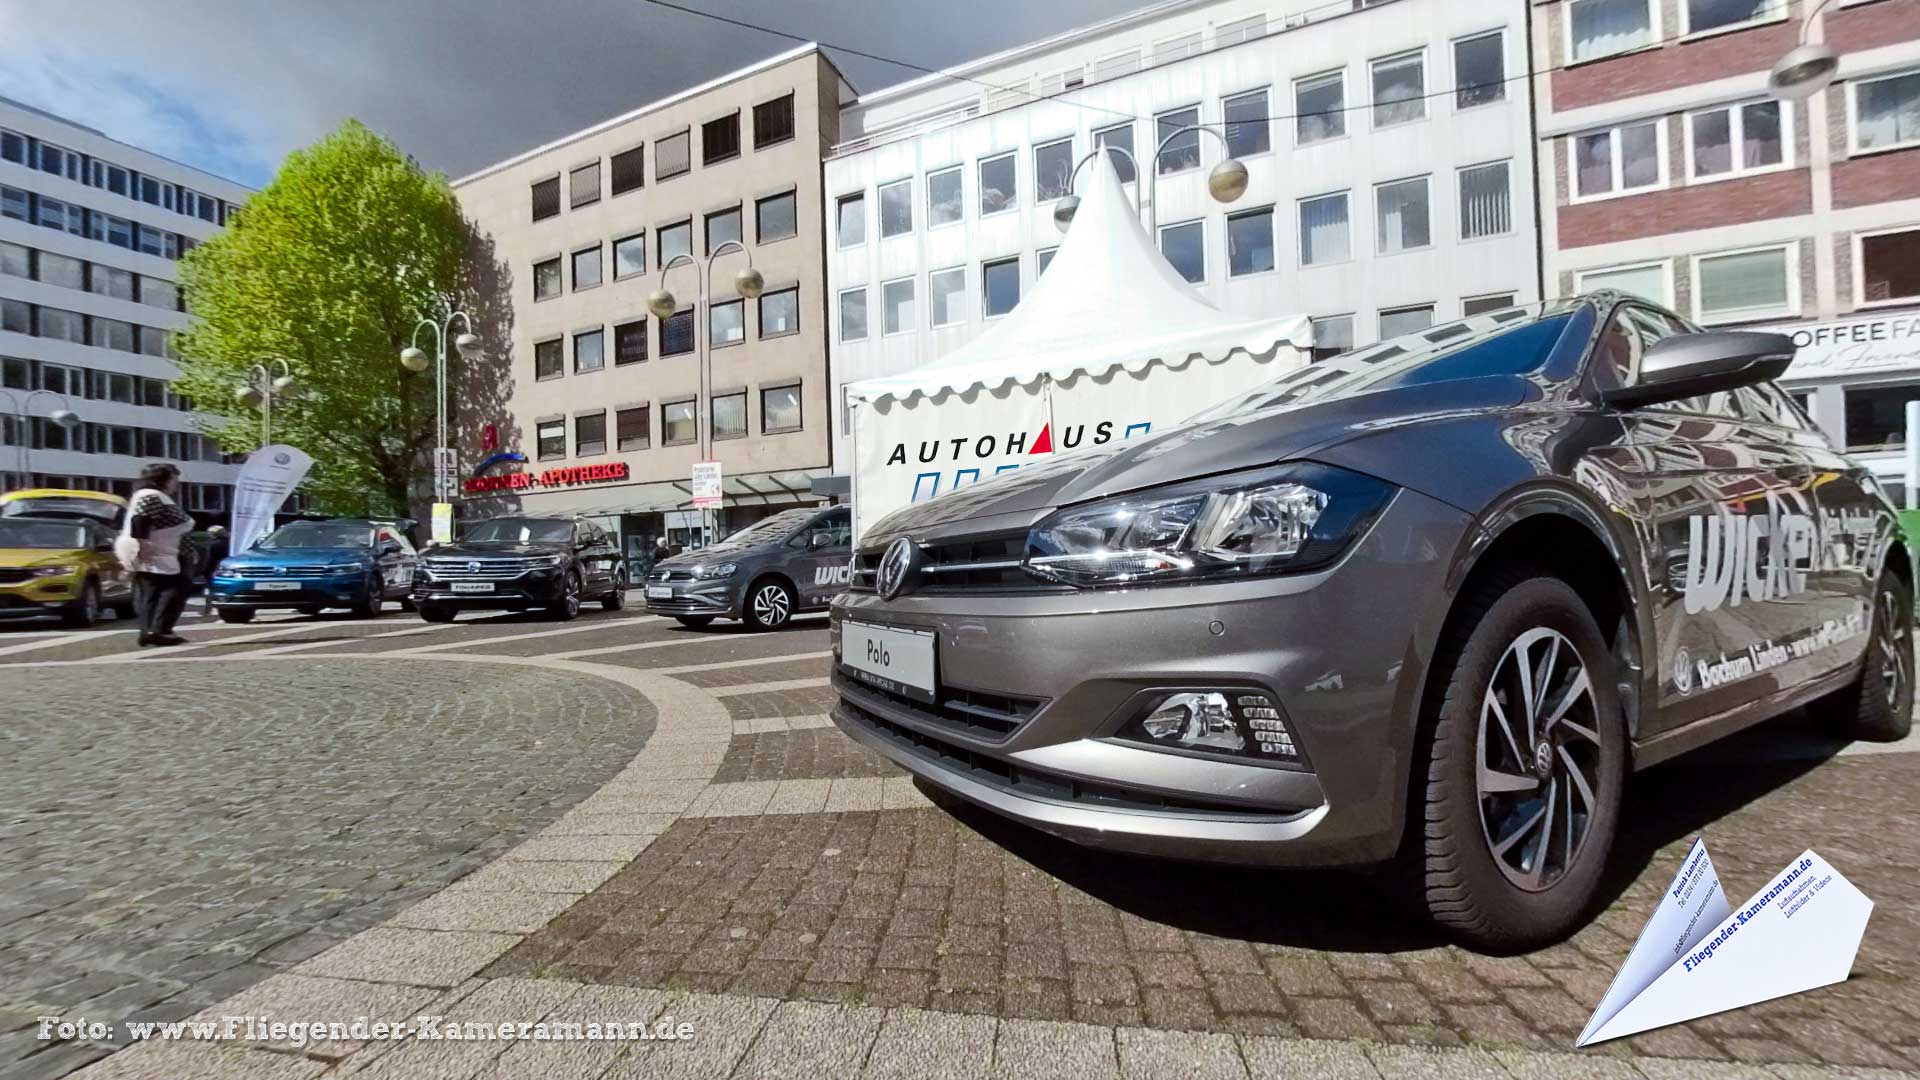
149 547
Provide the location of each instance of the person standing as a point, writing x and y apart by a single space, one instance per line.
149 546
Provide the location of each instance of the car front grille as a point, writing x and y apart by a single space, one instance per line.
271 572
13 576
670 575
971 565
480 569
979 714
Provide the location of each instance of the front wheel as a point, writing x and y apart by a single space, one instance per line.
436 613
367 604
770 606
236 615
566 605
85 609
1878 706
616 598
1525 757
693 621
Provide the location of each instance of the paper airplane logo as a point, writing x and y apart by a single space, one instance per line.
1698 956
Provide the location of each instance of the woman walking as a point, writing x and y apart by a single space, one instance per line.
149 546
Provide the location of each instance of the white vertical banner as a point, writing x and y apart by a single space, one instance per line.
269 476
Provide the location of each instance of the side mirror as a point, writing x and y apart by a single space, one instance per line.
389 547
819 540
1688 365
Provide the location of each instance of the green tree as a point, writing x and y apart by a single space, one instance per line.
329 267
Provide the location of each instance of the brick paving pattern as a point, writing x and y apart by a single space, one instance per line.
812 668
810 701
713 645
812 754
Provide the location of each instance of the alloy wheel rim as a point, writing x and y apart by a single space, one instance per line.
1891 635
770 605
573 595
1537 759
90 602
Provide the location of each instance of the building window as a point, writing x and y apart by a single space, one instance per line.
61 270
1621 159
1326 234
674 241
723 226
1889 266
15 260
1118 142
1480 305
590 434
1648 281
547 362
1176 48
720 139
774 218
1401 218
1246 123
1597 28
629 256
1486 204
1886 112
1185 246
108 281
850 220
896 208
1877 416
1736 140
1182 151
1332 335
1000 286
730 415
551 439
772 122
676 333
779 409
1052 169
947 296
64 326
112 334
627 170
1407 320
15 316
671 157
1041 260
780 312
896 306
1742 286
944 201
546 279
1319 106
1249 242
633 428
853 314
998 190
1703 15
583 186
630 342
679 422
157 292
1399 89
586 268
13 204
726 323
1479 70
546 198
589 351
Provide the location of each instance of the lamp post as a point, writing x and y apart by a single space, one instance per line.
747 283
259 388
1226 182
1807 68
416 361
64 416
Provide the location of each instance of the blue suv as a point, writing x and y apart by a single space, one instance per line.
308 566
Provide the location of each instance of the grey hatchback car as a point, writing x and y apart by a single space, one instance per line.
763 575
1429 602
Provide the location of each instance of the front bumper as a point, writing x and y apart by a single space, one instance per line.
334 590
716 597
533 589
39 596
1346 680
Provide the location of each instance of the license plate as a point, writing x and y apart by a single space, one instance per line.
659 592
473 586
897 660
278 586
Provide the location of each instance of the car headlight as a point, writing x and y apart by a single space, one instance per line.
715 570
346 568
544 560
1296 517
53 571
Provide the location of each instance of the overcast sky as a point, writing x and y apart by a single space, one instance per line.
232 86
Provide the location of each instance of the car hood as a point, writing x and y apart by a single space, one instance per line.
716 551
496 551
17 557
302 555
1244 440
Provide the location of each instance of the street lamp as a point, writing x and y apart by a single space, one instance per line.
259 389
415 360
1807 68
64 416
1226 182
747 283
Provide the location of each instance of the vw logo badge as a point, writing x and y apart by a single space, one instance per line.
473 567
279 571
897 567
1683 671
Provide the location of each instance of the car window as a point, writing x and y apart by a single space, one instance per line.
520 531
838 526
1630 333
320 534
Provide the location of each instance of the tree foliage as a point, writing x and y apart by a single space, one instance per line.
329 267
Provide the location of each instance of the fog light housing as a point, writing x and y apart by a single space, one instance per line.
1231 722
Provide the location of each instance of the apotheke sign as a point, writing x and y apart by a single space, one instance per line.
570 476
1853 346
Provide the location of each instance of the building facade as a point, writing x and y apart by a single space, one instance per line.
608 405
91 231
1388 146
1667 169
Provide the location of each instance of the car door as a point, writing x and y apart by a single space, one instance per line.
395 558
823 565
115 583
595 557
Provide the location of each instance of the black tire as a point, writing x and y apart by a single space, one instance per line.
565 605
235 615
695 621
124 610
85 609
309 609
1485 857
436 613
616 597
769 604
406 603
1878 706
367 604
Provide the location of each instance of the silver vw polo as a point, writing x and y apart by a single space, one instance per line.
1431 601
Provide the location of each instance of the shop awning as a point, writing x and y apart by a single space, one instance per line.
752 489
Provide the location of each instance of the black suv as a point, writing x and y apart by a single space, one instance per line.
522 564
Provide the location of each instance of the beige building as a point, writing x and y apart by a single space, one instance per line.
608 404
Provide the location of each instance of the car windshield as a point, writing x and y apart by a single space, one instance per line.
62 506
321 534
772 528
55 535
520 531
1512 341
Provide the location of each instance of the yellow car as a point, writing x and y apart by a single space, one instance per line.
64 503
61 566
